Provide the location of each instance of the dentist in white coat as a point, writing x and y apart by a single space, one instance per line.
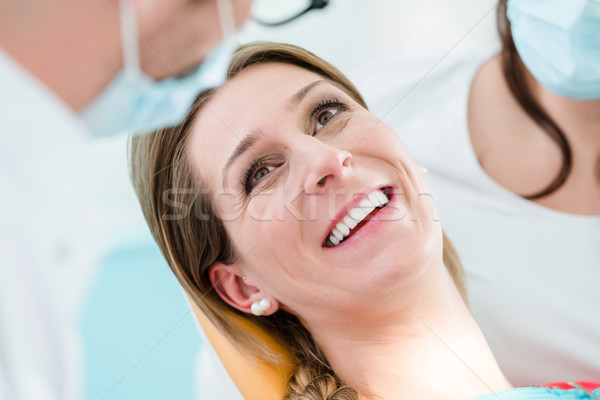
71 70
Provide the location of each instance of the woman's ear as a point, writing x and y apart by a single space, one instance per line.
233 287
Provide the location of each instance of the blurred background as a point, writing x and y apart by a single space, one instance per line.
140 338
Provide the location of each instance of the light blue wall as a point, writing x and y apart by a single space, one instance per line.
140 339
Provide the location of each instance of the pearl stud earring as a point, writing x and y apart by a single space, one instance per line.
259 307
422 169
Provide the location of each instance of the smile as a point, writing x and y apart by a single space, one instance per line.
358 216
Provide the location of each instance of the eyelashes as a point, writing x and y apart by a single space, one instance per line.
248 179
327 105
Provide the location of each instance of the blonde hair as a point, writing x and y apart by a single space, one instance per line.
191 236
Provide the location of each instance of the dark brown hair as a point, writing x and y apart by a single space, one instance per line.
515 74
191 236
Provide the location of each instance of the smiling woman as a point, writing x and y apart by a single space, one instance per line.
270 141
307 217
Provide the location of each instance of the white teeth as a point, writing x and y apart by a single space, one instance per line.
337 234
334 240
358 213
343 228
375 199
366 202
350 222
382 198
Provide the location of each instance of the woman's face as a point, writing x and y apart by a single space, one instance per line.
287 155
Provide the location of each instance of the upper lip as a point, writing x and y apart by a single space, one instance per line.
356 199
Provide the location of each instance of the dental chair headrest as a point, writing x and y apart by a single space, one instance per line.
256 380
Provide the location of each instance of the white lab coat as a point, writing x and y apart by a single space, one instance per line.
48 246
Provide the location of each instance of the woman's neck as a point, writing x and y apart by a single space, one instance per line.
580 122
579 119
428 347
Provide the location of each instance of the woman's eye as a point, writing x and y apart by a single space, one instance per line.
261 173
257 171
324 117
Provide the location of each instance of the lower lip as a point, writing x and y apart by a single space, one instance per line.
371 226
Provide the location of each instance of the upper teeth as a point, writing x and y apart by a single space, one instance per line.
376 199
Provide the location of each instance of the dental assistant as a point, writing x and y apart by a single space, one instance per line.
71 70
512 144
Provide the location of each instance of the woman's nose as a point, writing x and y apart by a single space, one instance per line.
326 166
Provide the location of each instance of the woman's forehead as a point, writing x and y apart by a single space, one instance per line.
266 81
255 90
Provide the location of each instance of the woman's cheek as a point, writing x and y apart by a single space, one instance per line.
227 206
261 207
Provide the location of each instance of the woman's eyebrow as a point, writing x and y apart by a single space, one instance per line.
301 94
245 144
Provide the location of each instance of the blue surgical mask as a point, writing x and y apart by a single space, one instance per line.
134 102
559 43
